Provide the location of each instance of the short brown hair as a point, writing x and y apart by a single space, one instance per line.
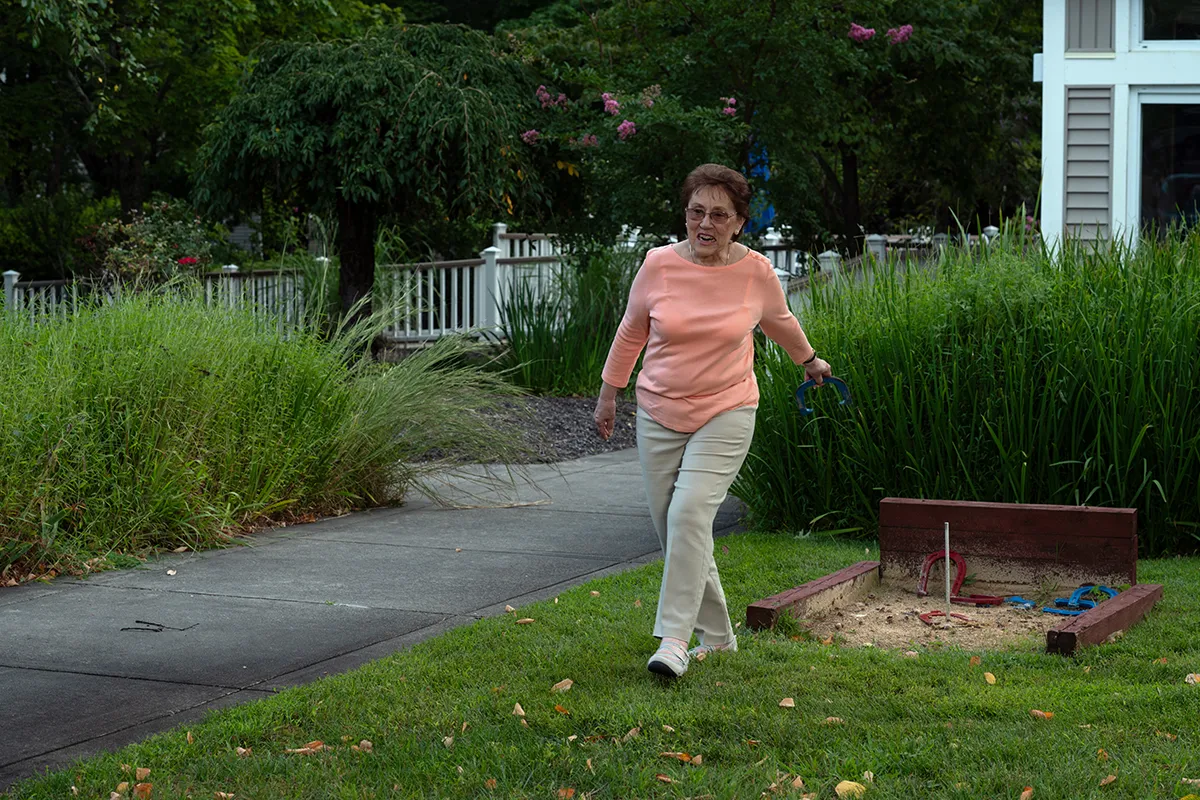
730 180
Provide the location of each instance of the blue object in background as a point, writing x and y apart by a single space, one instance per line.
762 212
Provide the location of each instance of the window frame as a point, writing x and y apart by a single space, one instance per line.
1139 96
1137 26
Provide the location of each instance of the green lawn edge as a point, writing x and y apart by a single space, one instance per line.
929 726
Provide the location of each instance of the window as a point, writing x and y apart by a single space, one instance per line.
1170 20
1170 174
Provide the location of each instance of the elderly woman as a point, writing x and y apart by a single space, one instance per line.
693 306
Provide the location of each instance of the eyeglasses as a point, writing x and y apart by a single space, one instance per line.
718 217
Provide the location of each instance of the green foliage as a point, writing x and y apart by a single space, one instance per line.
852 133
404 118
165 241
154 422
557 335
1013 377
52 237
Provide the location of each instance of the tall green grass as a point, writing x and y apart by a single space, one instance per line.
159 422
1012 375
557 336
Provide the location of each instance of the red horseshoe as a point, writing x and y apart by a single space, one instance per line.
960 571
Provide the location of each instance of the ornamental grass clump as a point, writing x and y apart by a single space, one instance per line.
1006 375
157 422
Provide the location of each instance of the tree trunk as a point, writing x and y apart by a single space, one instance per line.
356 248
850 210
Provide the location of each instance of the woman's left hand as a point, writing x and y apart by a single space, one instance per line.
818 371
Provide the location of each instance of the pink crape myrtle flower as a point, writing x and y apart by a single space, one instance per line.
860 34
729 111
589 140
730 102
611 106
626 129
900 35
530 136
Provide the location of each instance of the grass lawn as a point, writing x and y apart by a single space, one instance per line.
925 727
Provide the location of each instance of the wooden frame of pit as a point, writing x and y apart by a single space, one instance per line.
1007 546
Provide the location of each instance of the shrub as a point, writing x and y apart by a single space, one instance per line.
1013 378
557 335
165 241
155 422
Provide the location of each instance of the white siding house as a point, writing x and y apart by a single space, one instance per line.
1120 116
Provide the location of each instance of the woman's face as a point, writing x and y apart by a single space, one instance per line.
711 221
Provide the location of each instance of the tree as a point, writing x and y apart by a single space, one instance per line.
125 88
852 131
415 122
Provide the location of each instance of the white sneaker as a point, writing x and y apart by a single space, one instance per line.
670 660
700 652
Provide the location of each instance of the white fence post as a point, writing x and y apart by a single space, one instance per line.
487 289
227 273
10 289
498 231
877 247
784 276
830 260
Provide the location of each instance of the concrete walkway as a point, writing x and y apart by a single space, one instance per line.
89 665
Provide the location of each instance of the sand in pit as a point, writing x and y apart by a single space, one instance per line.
889 617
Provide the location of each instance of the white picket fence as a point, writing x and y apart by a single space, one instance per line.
427 300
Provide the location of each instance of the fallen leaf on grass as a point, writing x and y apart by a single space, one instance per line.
832 721
1087 669
364 746
1192 678
509 609
572 737
1108 780
752 742
114 796
518 711
448 741
222 795
665 778
308 749
595 593
524 724
562 710
637 603
828 640
190 738
787 702
123 786
589 767
677 756
465 725
1191 781
798 783
562 685
142 791
725 549
1162 660
490 783
1102 754
697 760
1169 736
850 789
142 773
668 729
1027 794
633 734
244 752
868 777
976 661
565 794
525 621
180 549
1036 714
990 678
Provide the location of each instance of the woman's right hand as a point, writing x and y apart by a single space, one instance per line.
605 416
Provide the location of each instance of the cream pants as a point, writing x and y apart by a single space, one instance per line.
687 478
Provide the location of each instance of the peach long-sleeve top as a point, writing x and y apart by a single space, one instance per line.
696 324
